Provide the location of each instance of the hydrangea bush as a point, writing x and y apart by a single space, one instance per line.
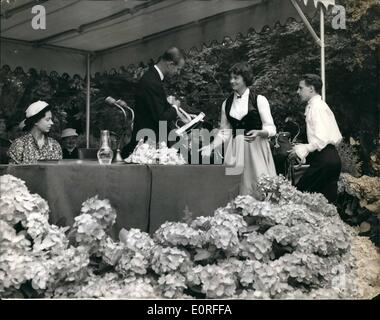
287 245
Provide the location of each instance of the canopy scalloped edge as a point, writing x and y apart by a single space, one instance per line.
325 3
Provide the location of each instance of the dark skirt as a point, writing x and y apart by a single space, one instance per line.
323 174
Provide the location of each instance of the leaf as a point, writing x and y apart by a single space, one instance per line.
123 236
202 254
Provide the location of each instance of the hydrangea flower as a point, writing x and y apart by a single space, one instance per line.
131 263
179 234
216 282
201 223
168 259
225 230
88 231
255 246
282 234
72 264
139 288
243 205
172 285
54 242
101 210
9 240
41 272
246 273
14 268
137 241
16 202
192 276
111 251
269 280
36 224
105 286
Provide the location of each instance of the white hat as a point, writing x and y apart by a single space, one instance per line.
69 132
35 108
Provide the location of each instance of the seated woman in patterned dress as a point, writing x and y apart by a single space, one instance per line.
35 145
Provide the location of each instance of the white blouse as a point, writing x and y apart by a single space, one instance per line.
321 127
239 110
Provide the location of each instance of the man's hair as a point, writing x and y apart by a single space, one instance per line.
173 55
243 69
313 80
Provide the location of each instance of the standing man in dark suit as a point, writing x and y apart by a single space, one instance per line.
151 105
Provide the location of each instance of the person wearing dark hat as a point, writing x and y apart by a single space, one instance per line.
35 145
69 144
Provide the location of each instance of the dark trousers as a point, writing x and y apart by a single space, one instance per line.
323 174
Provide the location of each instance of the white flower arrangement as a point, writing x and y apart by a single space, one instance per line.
147 153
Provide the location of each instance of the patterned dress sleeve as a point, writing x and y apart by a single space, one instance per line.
56 150
15 152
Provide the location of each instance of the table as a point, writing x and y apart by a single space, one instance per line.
144 196
201 189
67 185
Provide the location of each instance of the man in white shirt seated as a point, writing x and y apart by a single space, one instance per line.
323 135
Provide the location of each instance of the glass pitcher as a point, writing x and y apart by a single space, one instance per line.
105 153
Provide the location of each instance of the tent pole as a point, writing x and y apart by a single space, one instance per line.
323 57
88 101
306 22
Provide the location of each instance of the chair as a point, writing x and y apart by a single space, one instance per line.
88 154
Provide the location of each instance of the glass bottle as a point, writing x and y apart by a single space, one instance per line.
105 153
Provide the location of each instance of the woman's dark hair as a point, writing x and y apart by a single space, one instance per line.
313 80
243 69
30 122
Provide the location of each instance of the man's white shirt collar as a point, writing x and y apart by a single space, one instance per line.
314 99
159 72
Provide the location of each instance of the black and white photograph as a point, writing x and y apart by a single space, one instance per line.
190 154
